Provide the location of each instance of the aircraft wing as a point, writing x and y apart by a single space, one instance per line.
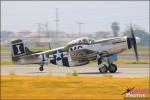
83 54
87 55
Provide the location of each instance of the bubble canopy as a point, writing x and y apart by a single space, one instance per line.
84 40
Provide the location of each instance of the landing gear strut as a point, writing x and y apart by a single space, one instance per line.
112 68
41 68
102 67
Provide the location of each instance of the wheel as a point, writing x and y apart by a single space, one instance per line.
103 68
41 68
112 68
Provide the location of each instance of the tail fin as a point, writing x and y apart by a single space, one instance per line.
18 48
19 52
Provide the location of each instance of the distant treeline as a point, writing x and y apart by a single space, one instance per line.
7 36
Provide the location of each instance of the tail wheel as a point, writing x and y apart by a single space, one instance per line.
112 68
41 68
103 68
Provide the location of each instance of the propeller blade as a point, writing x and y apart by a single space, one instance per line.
136 53
134 43
132 32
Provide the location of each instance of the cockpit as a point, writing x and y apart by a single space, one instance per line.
84 40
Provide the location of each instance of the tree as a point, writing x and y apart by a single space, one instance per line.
143 35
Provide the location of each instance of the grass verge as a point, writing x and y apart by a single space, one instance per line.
127 62
67 87
6 62
9 62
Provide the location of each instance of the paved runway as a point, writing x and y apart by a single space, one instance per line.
126 70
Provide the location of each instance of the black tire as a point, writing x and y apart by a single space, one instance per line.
103 69
41 68
112 68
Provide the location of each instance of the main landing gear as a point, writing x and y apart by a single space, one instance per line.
112 68
103 68
41 68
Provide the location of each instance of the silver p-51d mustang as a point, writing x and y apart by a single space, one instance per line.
78 52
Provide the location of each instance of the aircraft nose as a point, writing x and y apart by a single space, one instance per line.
138 40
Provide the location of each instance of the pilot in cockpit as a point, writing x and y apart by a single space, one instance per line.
82 41
87 41
91 41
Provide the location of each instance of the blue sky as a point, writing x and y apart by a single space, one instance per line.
97 15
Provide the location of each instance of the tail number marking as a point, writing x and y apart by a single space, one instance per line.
18 49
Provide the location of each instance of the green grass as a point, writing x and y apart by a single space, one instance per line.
141 50
125 62
6 62
5 49
137 63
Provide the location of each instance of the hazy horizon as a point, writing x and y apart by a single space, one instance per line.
97 15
